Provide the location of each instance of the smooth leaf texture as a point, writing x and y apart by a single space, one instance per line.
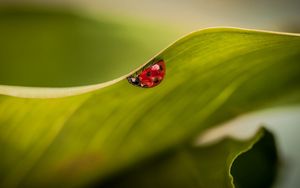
212 76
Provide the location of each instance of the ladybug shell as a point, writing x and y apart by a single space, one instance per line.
153 75
150 76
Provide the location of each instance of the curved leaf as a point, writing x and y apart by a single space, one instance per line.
252 162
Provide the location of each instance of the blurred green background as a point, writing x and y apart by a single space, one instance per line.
279 15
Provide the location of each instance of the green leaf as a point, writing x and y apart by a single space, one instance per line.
243 163
212 76
258 166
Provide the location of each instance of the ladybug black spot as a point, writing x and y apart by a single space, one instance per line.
156 80
160 67
148 73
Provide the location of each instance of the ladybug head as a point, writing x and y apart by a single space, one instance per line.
134 80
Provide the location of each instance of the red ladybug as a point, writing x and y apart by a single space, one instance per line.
150 76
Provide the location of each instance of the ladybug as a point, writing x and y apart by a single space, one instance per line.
149 76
